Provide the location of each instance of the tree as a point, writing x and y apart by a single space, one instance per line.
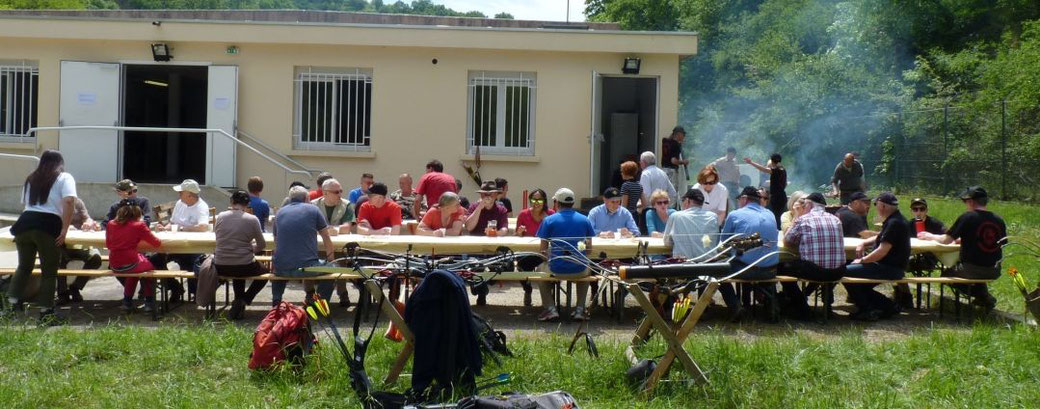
504 16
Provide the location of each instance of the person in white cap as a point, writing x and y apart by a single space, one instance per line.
561 233
191 213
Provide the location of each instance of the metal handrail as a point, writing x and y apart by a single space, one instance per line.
33 130
313 172
17 156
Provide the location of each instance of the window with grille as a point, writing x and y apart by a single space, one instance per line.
501 113
333 109
19 85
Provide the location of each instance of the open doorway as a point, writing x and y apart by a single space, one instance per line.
167 96
628 120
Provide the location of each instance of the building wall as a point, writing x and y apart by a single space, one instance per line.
418 108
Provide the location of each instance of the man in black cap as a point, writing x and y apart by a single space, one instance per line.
673 162
127 189
886 262
752 218
980 232
921 263
853 216
610 217
817 236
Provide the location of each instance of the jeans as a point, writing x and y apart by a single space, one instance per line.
729 294
325 287
29 243
864 296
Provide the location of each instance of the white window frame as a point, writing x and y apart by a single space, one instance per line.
304 75
501 80
17 118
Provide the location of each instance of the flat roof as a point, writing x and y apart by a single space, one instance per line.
338 28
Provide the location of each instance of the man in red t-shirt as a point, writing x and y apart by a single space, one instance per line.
379 216
432 185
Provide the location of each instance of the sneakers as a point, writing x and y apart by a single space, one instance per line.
550 314
149 305
126 306
985 300
580 314
74 294
63 298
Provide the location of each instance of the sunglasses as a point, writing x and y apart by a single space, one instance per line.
918 209
663 202
711 182
537 201
335 192
488 195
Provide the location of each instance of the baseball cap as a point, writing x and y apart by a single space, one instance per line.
377 188
694 195
188 185
817 197
611 193
489 186
858 196
888 198
564 195
750 192
974 192
125 185
918 201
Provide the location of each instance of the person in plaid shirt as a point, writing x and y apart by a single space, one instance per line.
817 235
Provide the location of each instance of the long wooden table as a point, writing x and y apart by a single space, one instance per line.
189 243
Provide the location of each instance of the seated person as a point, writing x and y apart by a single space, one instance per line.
751 217
853 216
406 197
90 256
610 217
239 238
817 236
366 183
296 229
338 212
658 215
127 189
379 216
444 219
920 263
260 208
190 214
716 195
692 231
886 262
560 234
486 212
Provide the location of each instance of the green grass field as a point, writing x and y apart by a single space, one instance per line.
985 364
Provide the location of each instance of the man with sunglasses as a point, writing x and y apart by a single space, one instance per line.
921 262
980 233
339 218
127 189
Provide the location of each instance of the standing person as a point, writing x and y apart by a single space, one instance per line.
503 186
527 225
127 189
433 184
239 238
886 262
686 229
90 256
631 190
366 182
122 237
715 195
444 219
673 161
49 194
853 216
657 218
190 214
777 184
405 197
817 236
317 192
485 211
379 216
749 219
848 178
561 233
260 208
980 232
653 177
610 217
296 230
729 173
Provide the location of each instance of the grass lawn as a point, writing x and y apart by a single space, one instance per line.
986 364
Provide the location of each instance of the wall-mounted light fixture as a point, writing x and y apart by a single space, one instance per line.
631 66
161 52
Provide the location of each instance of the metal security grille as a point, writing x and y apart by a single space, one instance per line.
500 113
333 110
19 85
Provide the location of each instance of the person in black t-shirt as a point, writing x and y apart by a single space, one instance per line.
673 162
503 185
921 264
979 232
886 262
854 216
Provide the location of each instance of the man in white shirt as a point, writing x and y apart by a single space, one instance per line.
190 214
654 178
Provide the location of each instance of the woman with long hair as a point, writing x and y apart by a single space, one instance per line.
527 224
122 236
49 194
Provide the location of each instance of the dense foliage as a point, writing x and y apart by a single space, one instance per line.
419 7
813 79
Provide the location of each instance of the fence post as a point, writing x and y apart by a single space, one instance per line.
1003 149
946 148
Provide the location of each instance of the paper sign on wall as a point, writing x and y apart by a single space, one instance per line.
221 103
86 98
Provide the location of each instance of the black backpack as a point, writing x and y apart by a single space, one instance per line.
492 342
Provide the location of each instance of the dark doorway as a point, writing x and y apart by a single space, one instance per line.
166 96
629 124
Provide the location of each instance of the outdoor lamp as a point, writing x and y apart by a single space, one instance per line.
161 52
631 66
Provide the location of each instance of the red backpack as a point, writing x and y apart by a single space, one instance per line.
283 335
